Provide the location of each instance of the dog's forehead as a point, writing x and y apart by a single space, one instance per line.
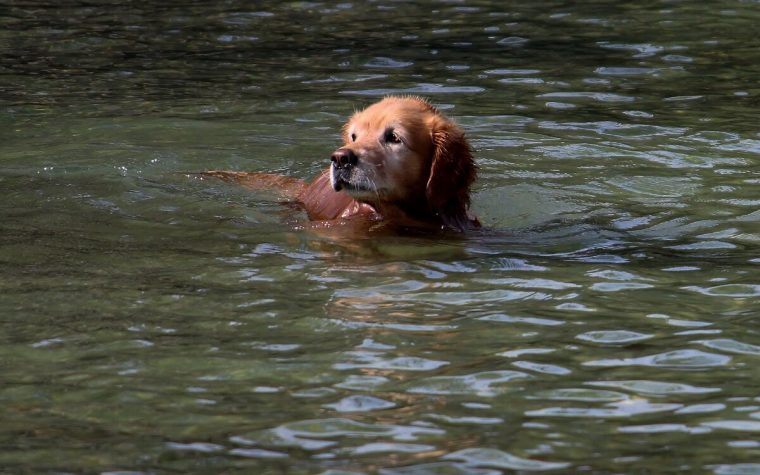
391 112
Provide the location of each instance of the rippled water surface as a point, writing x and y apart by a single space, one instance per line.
605 320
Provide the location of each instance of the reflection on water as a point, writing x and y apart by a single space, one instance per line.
605 320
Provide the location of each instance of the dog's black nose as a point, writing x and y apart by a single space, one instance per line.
344 157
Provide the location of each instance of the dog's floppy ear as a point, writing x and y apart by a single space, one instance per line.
452 172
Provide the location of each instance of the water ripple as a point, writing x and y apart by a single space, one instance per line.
544 368
584 395
662 428
655 388
735 469
434 468
383 62
360 403
412 292
258 453
481 384
685 359
512 41
466 420
362 382
195 447
595 96
618 129
728 290
547 284
622 71
734 425
485 457
390 447
512 72
368 359
613 337
732 346
318 434
421 89
643 50
623 409
504 318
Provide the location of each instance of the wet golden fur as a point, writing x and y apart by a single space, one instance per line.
402 162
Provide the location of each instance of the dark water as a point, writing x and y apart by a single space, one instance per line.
605 322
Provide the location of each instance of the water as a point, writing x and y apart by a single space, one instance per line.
604 321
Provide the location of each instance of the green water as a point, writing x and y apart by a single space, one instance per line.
605 321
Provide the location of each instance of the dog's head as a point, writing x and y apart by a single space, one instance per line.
403 152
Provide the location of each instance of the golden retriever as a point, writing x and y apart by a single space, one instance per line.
402 162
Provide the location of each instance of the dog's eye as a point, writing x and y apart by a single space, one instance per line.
392 137
353 137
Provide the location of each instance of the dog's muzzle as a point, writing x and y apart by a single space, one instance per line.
343 161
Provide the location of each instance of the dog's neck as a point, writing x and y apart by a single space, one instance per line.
412 214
